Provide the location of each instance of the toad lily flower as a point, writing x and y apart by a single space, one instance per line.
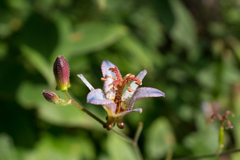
114 101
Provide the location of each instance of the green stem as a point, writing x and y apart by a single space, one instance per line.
138 132
221 136
130 140
73 102
133 142
169 155
136 138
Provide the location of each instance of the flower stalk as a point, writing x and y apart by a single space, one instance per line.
221 129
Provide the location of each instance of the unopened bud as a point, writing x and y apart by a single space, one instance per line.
53 98
61 73
50 97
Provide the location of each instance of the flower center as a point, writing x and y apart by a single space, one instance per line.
118 84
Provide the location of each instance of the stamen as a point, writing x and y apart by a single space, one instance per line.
131 76
130 89
103 79
110 77
128 75
138 83
116 71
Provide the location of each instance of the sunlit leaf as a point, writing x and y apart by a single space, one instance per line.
86 37
62 148
119 149
205 140
184 29
159 139
40 63
30 96
7 150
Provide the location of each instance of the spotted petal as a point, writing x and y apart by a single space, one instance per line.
97 97
133 86
106 72
130 111
142 93
86 82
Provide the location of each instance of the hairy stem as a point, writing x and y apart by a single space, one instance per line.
130 140
73 102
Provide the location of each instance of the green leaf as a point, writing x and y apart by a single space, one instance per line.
70 116
62 148
137 51
119 149
86 37
205 139
7 149
40 63
159 139
184 30
30 96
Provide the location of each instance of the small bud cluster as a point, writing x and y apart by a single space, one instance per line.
224 118
61 73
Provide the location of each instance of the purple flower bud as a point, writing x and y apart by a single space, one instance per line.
50 96
61 73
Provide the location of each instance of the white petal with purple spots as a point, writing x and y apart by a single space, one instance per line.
142 93
133 86
106 72
129 111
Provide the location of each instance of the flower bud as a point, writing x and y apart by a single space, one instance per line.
61 73
50 97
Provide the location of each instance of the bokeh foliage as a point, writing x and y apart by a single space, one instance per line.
191 50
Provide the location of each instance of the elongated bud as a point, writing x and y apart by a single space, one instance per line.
53 98
61 73
50 96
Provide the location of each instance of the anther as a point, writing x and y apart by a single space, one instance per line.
129 89
103 79
138 83
131 76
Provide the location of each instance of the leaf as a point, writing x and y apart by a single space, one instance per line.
30 96
160 139
7 149
205 139
40 63
69 116
62 148
86 37
119 149
184 30
137 50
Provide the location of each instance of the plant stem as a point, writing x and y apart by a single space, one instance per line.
135 142
209 155
138 132
169 155
73 102
132 141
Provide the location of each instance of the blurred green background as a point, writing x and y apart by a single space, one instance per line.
190 48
